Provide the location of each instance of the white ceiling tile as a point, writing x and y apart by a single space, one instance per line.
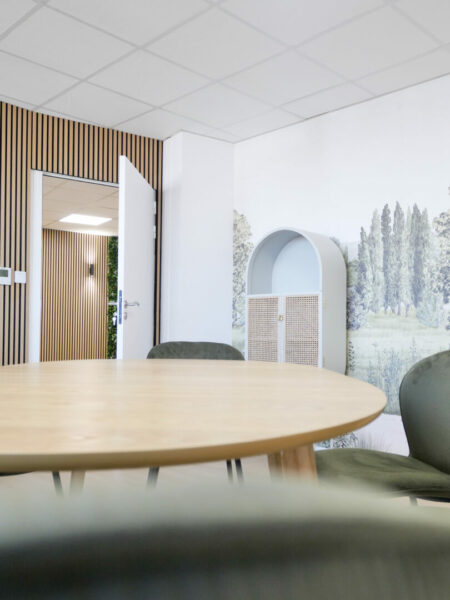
415 71
327 100
62 43
96 211
50 183
137 21
80 197
370 43
433 15
293 21
161 124
16 102
12 11
88 102
274 119
216 45
218 106
109 202
225 136
49 216
96 190
149 78
64 199
22 79
283 78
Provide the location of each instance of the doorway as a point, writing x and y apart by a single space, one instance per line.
78 269
126 212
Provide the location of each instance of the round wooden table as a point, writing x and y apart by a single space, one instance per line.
110 414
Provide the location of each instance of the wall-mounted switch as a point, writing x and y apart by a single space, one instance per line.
20 277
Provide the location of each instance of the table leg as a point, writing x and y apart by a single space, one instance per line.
76 482
299 460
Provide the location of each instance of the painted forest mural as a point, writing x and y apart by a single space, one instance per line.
398 278
398 295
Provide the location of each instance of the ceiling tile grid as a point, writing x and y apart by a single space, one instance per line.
62 197
229 69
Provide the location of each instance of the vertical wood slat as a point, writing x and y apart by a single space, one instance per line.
30 140
73 319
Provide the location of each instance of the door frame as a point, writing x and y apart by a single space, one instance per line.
35 260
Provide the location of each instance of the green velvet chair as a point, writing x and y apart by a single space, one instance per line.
197 350
259 542
425 410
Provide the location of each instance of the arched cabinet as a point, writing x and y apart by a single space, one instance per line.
296 300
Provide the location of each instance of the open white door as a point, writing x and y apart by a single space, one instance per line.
136 263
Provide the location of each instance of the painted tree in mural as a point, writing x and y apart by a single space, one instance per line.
401 287
364 281
429 309
442 228
376 263
399 266
242 248
388 258
416 240
399 284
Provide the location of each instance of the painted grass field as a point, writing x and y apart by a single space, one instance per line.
387 346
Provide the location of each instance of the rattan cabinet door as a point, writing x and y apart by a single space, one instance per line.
301 329
263 328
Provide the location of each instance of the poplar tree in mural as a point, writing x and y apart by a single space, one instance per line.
388 266
442 227
376 262
402 271
364 281
400 260
410 255
429 310
417 253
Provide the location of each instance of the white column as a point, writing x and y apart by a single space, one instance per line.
197 239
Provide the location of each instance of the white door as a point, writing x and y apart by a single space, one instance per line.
136 263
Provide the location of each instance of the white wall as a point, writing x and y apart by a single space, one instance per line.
330 173
197 239
321 175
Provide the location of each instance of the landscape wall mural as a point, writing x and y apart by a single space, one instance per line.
398 278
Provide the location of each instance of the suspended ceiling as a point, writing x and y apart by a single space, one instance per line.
229 69
62 197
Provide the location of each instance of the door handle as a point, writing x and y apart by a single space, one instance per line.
126 304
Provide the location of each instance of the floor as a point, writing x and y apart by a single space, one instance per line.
109 482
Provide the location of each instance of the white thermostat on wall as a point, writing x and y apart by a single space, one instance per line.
5 276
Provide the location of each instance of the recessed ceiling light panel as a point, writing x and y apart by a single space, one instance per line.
84 220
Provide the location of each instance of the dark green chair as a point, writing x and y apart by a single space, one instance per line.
197 350
425 410
259 542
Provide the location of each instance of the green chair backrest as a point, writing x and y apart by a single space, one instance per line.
425 410
203 350
259 542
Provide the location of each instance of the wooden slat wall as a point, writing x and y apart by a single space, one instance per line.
74 304
30 140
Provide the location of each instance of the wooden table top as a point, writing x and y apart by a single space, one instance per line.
99 414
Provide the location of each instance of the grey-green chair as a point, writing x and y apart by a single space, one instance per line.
197 350
425 411
264 542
